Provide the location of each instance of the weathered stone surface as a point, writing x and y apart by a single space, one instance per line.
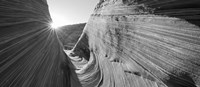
140 43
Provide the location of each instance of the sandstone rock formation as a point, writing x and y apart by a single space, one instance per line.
126 43
140 43
30 54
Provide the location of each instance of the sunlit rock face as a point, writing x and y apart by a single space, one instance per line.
30 53
140 43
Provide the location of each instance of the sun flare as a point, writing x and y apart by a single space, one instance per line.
54 25
58 21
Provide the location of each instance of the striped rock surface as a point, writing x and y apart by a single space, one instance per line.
140 43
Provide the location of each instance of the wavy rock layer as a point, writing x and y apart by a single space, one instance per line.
140 43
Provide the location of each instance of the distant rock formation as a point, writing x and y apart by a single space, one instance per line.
140 43
70 34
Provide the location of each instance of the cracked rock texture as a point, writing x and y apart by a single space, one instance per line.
126 43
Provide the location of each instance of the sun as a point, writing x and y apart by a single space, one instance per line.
58 21
54 25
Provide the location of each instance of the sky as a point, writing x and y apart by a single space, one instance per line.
71 11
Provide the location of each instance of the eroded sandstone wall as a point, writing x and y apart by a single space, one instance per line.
30 54
140 43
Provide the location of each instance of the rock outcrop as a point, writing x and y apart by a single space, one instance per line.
140 43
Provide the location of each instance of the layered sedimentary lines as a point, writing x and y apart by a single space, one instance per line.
141 43
126 43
